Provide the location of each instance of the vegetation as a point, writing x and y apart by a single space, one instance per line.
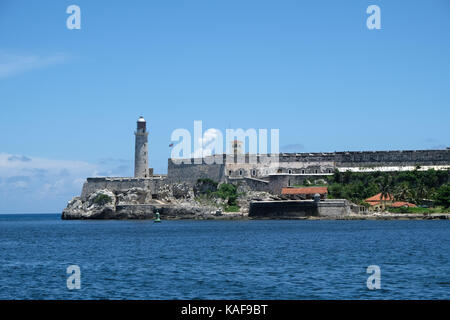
423 188
207 191
207 181
205 186
418 210
227 192
418 187
102 199
442 196
315 183
385 187
231 208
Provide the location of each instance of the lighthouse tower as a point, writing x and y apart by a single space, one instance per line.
141 150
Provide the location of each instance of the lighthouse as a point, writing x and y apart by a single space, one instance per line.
141 150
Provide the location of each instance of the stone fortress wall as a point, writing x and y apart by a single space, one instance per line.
290 169
120 184
293 168
210 167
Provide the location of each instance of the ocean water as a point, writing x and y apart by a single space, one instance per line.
223 259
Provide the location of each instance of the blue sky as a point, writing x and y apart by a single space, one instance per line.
69 99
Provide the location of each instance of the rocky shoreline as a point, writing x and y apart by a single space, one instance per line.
179 201
388 216
176 201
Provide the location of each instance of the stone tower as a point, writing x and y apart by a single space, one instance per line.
141 150
236 147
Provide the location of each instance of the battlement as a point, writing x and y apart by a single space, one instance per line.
222 167
344 158
117 184
421 157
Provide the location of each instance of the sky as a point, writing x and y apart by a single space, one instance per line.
69 99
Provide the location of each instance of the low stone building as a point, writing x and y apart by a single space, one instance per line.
305 192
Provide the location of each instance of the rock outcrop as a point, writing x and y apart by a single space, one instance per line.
99 205
133 196
172 201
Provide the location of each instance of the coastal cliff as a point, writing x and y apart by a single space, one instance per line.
172 201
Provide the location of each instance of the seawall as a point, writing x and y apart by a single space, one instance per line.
291 209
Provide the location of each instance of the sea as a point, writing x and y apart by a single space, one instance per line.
44 257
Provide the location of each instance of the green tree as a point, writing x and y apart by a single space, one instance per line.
227 191
402 192
337 177
421 193
412 186
385 185
442 196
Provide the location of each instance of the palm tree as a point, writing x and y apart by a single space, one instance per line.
421 193
402 192
413 196
385 186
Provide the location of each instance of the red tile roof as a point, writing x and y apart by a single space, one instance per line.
399 204
377 198
307 190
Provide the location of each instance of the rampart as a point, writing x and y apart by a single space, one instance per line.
369 158
120 184
301 165
191 172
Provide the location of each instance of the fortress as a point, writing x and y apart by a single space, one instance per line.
259 175
264 180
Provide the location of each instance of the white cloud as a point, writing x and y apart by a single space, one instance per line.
35 184
13 64
16 165
212 140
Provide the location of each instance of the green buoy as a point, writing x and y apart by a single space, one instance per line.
157 218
